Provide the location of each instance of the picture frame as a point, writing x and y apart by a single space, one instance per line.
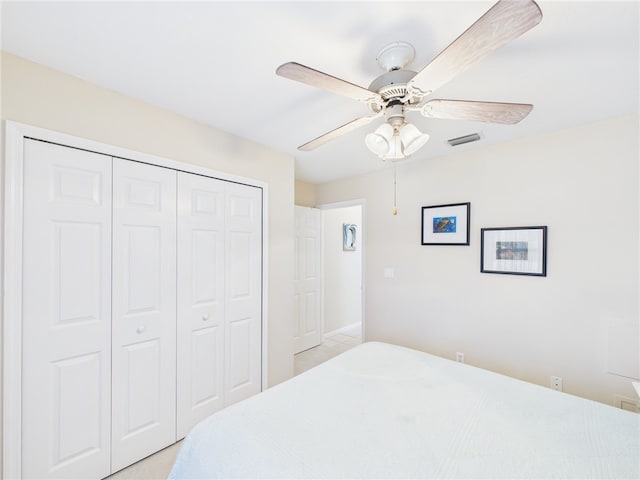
349 236
514 250
446 224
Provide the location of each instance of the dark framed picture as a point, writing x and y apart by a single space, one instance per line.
446 224
514 250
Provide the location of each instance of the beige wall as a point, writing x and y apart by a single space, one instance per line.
39 96
305 194
342 269
579 322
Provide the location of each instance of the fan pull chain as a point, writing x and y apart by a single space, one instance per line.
395 189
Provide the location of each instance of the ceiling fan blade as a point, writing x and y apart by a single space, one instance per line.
502 23
491 112
346 128
315 78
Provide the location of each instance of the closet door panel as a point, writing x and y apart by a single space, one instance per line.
66 383
201 311
144 310
243 292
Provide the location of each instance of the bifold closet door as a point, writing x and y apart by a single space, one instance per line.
243 292
200 335
66 370
144 310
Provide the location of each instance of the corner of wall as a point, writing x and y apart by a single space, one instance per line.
305 194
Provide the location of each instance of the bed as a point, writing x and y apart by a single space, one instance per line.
384 411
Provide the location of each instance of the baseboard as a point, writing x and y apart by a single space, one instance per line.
340 330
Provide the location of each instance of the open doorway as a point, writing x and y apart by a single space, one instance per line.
342 252
342 267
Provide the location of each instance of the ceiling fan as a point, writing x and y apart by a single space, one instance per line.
400 90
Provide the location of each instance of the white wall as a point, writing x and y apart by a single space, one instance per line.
342 269
36 95
578 322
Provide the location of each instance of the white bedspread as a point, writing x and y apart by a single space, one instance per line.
383 411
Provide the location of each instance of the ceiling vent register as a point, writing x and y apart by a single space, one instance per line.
473 137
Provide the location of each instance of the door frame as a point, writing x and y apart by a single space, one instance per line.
353 203
11 281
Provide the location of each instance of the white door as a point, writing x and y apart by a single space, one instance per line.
243 292
308 279
144 310
66 348
201 231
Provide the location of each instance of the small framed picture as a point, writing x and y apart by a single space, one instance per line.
446 224
514 250
349 236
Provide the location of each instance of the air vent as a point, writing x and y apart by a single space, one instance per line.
474 137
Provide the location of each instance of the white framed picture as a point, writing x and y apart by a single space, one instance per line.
349 236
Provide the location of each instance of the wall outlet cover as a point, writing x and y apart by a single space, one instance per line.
556 383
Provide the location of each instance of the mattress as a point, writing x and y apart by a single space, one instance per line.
384 411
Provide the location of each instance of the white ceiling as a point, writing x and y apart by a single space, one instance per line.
215 62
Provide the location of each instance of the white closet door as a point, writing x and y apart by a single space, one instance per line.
308 279
144 310
66 378
243 292
200 299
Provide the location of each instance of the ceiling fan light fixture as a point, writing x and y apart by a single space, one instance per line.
395 143
396 151
379 142
412 139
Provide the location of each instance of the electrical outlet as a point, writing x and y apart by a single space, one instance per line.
556 383
460 357
627 403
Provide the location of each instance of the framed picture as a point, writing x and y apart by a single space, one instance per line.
349 232
514 250
446 224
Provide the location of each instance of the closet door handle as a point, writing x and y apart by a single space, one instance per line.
205 317
141 329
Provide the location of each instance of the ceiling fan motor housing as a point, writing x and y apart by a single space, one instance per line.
394 114
392 84
393 58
